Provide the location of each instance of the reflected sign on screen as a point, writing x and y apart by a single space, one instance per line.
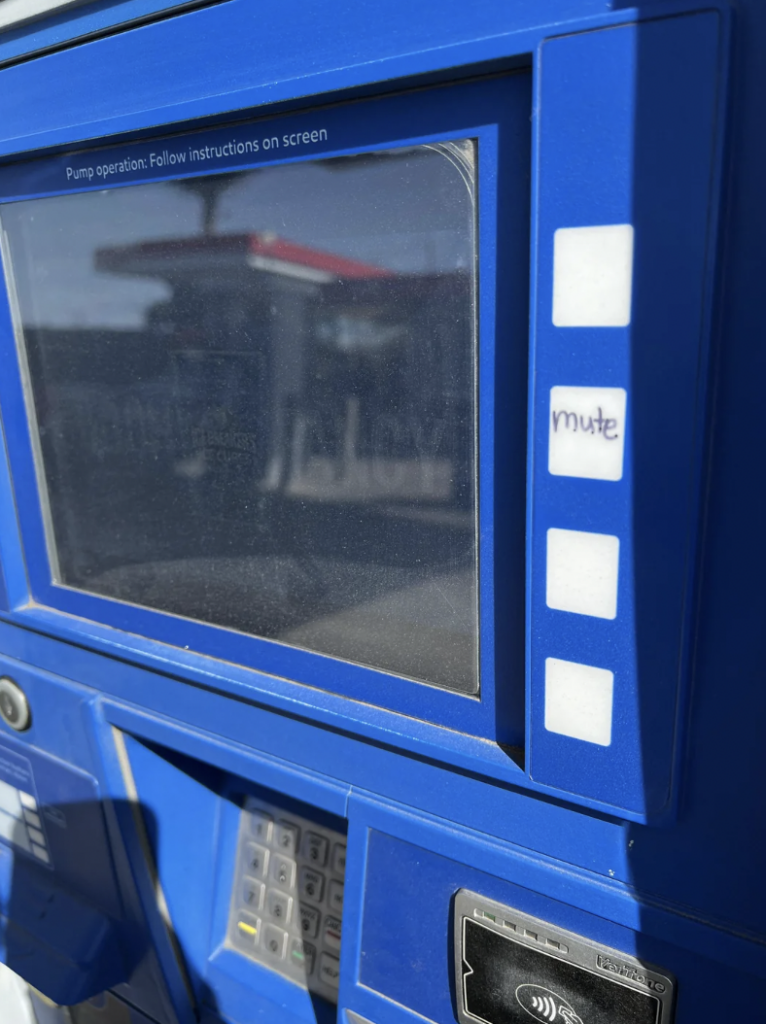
254 397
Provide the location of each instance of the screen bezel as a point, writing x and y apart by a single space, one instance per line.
494 111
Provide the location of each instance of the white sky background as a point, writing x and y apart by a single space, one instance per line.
412 213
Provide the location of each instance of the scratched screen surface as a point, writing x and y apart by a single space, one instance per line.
254 396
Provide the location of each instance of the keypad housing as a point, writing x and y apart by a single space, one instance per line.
287 897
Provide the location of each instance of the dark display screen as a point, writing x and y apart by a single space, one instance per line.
254 400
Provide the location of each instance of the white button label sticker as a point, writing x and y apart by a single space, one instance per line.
587 432
593 276
581 573
578 701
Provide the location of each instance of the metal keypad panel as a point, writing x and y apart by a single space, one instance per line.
287 900
513 968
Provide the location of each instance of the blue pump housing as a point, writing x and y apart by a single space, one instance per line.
549 692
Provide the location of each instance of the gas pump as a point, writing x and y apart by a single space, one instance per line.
380 568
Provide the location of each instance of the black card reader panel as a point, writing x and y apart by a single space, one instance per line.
512 969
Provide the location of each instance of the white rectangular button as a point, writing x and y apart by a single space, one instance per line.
581 572
578 701
13 831
593 276
587 432
36 836
10 800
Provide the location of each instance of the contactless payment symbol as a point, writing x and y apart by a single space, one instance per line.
546 1006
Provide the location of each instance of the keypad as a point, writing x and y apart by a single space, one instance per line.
312 885
287 898
257 860
315 849
252 893
261 826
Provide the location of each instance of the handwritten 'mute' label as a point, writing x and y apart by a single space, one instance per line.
587 432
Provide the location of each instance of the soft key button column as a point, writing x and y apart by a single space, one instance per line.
620 356
287 900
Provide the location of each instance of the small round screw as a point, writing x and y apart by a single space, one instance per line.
14 707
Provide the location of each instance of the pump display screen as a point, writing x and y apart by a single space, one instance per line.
254 399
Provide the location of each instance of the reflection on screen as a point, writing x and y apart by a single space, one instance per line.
255 395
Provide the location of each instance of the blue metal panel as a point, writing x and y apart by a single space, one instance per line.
595 843
495 111
630 142
76 22
641 784
407 910
453 845
231 982
239 58
431 809
181 816
60 902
